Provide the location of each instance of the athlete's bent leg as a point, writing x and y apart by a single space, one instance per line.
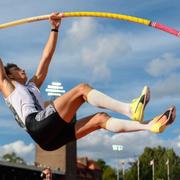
134 110
68 104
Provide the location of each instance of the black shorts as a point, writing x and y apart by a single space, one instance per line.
49 130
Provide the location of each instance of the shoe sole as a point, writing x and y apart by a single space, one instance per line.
171 115
145 102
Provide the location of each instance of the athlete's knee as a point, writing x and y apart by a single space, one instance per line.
83 88
101 119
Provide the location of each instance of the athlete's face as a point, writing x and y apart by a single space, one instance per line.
17 74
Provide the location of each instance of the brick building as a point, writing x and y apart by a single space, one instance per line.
88 169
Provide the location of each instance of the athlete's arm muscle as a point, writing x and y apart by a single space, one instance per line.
6 86
48 52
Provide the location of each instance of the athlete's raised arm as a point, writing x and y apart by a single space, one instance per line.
6 86
48 51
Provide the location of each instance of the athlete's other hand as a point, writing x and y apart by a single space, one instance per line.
55 20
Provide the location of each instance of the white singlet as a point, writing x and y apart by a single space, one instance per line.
23 101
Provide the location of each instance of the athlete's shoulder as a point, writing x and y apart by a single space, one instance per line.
32 85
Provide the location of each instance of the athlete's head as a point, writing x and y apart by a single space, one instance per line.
16 73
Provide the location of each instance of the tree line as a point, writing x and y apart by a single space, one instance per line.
163 159
159 157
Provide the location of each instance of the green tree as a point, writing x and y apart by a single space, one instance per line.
102 164
108 172
13 158
160 156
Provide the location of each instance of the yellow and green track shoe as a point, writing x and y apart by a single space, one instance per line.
161 122
138 105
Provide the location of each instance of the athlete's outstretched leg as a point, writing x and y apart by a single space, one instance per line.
103 120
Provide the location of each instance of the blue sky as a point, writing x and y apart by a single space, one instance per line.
116 57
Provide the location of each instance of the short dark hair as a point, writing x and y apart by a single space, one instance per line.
8 67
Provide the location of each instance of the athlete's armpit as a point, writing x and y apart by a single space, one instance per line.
7 87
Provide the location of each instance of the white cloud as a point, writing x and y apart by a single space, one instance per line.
99 56
167 87
25 151
99 144
87 46
82 29
163 65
